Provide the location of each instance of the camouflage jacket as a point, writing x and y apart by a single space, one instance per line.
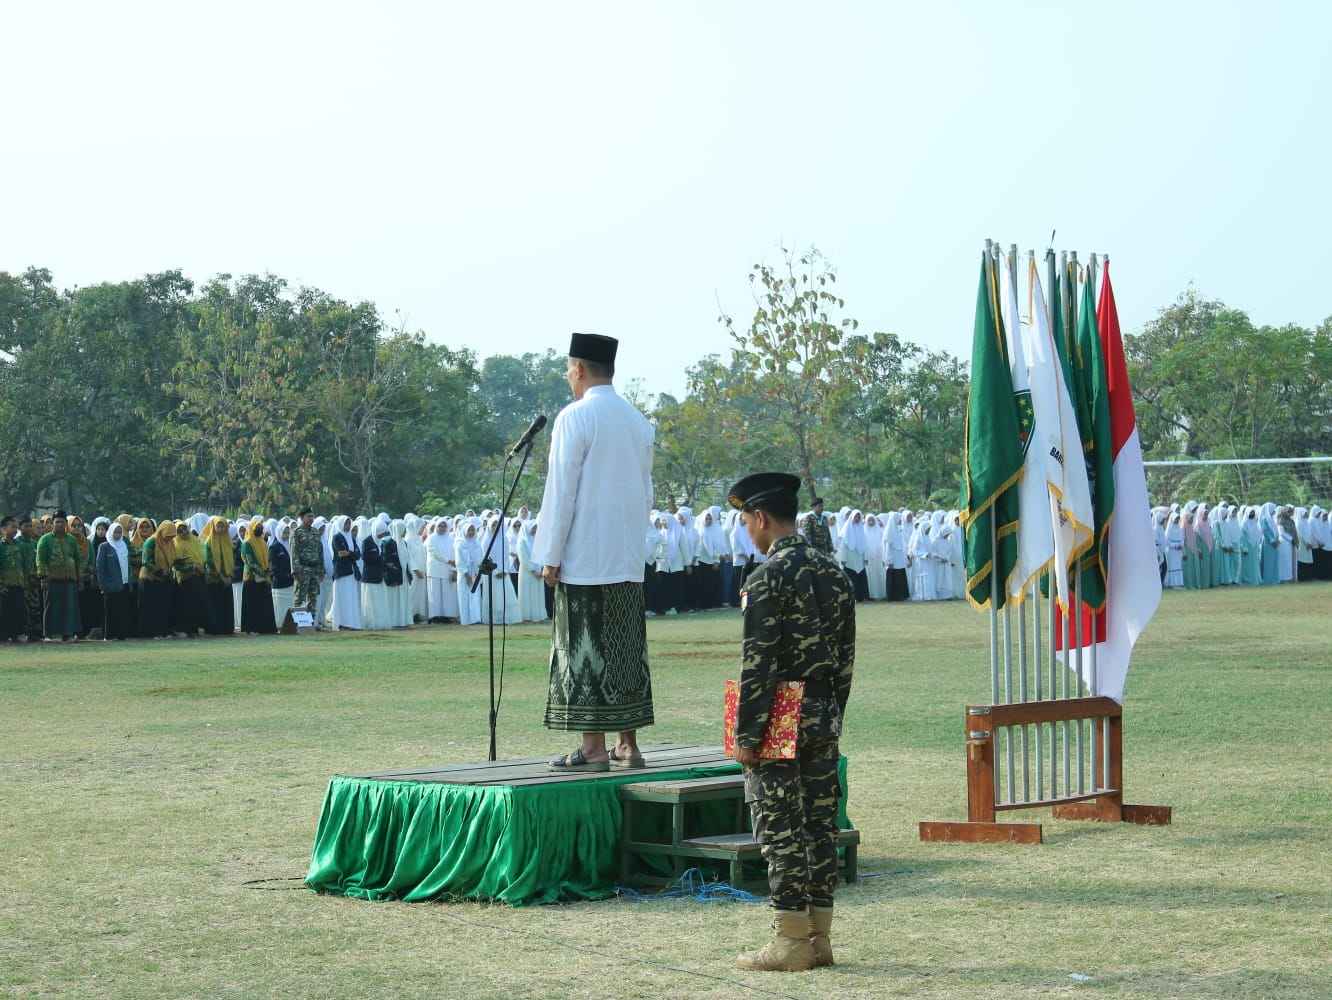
818 535
800 625
308 548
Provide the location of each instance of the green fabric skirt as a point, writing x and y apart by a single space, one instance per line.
599 678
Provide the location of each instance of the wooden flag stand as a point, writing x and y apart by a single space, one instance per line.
1104 804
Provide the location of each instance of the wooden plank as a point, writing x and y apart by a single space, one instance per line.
980 768
662 750
980 833
1067 709
683 786
1058 803
744 843
1147 815
1102 809
539 772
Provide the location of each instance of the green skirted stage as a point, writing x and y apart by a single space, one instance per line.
508 831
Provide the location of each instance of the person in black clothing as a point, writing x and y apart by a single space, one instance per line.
397 596
346 604
374 595
284 583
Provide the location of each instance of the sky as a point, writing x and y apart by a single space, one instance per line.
499 175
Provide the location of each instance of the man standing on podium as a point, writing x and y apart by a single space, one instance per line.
589 538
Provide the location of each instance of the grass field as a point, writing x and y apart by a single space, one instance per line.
141 785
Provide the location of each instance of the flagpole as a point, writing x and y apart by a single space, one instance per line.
1092 273
1055 620
994 561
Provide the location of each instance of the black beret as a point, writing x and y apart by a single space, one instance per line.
753 490
593 347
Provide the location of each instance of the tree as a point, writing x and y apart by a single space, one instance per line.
790 358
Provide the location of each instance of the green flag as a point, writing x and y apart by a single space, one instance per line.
1097 445
992 457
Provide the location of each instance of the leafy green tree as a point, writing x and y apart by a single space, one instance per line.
790 358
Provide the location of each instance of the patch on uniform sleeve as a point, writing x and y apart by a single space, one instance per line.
744 599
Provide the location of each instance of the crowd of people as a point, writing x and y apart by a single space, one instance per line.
1223 545
127 577
700 561
133 577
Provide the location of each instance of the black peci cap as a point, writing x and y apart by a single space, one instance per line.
752 491
593 347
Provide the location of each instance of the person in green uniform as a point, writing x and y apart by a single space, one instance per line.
799 615
32 586
13 578
59 568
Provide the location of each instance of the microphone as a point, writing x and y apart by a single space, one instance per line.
528 434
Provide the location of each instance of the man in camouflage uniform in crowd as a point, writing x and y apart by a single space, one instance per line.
799 625
308 565
816 528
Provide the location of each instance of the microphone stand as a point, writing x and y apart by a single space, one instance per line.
488 568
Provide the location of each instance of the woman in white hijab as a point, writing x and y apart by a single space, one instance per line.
1250 547
531 588
852 551
922 569
684 517
1285 525
876 576
441 573
670 566
711 546
956 557
1174 540
1304 568
113 578
742 556
941 549
345 606
375 609
498 594
279 562
400 596
467 551
416 554
895 557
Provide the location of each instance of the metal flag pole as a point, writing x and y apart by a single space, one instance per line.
1092 271
1105 723
994 551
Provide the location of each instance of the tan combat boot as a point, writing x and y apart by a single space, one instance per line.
788 951
820 931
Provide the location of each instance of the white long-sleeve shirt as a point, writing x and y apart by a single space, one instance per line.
598 491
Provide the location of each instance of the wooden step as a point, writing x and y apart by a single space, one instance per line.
744 844
683 787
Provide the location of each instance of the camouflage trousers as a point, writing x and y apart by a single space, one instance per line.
793 804
307 590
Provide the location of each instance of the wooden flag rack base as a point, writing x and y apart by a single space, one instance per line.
1105 805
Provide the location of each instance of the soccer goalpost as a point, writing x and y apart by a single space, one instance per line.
1301 482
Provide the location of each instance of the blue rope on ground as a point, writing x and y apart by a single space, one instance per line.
692 884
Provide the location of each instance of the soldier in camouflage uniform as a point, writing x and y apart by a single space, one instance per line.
816 529
799 625
307 548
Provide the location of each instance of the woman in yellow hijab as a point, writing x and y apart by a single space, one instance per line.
219 562
257 587
157 583
191 594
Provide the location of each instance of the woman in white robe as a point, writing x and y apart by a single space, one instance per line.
441 573
956 557
876 576
416 549
895 557
921 570
498 595
467 559
940 550
531 589
400 597
345 606
1174 542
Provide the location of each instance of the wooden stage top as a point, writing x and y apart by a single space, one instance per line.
536 771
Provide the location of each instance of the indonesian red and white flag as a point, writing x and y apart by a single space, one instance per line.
1133 581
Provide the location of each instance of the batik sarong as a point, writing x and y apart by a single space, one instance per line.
599 679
